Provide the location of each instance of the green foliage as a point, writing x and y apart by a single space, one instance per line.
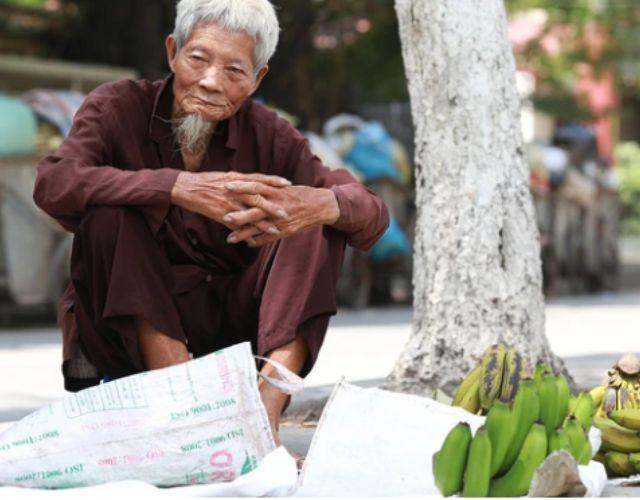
628 167
36 4
556 73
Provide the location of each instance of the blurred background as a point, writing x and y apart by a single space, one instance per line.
338 75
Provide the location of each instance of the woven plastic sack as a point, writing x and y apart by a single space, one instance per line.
195 423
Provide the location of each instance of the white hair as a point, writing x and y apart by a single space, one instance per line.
257 18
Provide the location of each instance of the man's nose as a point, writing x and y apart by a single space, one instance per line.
211 81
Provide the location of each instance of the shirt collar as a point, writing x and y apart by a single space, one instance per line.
160 124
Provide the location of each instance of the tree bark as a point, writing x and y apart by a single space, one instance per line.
477 269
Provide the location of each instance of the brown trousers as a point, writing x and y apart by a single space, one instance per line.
120 269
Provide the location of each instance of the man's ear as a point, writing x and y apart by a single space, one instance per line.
261 74
172 51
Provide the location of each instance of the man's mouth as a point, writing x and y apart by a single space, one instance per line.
208 103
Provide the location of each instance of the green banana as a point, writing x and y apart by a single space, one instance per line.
559 441
634 459
512 374
526 409
478 472
470 400
619 463
584 410
573 400
586 453
467 383
629 418
500 424
564 395
597 395
576 435
517 480
451 460
548 391
540 371
599 457
492 366
616 438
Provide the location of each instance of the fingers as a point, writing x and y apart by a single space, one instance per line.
270 180
248 187
259 201
244 234
267 227
244 217
247 233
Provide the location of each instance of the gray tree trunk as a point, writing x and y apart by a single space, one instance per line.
477 270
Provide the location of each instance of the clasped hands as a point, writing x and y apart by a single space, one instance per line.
257 208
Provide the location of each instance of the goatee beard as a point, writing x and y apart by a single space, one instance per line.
192 133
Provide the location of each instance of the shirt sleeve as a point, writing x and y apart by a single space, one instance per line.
81 174
363 215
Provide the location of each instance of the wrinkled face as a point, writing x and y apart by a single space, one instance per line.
214 72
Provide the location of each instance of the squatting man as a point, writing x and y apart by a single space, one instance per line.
200 218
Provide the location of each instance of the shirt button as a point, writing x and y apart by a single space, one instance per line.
209 278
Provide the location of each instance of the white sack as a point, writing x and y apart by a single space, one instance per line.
198 422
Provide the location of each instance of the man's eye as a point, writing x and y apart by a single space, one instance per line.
235 70
197 58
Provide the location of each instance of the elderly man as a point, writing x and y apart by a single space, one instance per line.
200 218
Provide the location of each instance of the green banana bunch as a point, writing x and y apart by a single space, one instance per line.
559 441
549 402
564 395
517 480
617 438
513 372
628 418
577 437
478 471
501 427
450 462
619 464
526 410
584 410
492 367
468 394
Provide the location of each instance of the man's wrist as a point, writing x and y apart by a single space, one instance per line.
180 190
333 208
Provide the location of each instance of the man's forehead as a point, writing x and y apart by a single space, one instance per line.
208 38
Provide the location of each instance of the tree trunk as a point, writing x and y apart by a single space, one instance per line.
477 270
